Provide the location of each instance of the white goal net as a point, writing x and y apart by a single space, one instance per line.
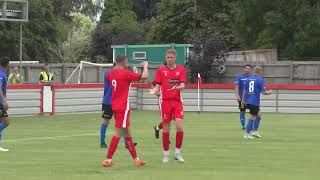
78 72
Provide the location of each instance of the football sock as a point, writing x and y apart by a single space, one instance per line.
113 146
165 140
131 148
179 139
103 130
249 126
257 123
2 126
243 119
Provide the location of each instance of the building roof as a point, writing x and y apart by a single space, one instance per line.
151 45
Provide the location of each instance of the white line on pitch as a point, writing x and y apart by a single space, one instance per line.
52 137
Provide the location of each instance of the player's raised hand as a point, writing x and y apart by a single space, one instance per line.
145 64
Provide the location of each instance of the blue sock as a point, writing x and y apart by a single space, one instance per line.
103 130
249 126
2 126
243 119
257 123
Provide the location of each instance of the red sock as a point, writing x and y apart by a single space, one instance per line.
160 126
179 139
131 147
113 146
165 141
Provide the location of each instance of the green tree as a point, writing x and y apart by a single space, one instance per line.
75 47
38 33
119 16
290 26
173 23
91 8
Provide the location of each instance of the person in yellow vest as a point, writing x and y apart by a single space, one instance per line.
15 77
46 77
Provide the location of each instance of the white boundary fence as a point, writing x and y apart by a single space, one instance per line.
87 98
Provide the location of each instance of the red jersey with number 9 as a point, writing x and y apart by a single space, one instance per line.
120 80
168 78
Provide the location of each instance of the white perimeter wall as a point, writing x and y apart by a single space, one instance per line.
79 100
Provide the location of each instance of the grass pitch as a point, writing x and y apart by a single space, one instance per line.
66 147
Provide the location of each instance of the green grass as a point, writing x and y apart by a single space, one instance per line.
214 148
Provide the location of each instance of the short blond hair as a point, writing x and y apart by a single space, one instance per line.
171 51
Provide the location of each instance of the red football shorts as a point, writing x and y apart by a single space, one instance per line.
122 118
171 109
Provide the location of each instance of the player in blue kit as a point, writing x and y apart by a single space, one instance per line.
239 85
254 86
4 119
107 112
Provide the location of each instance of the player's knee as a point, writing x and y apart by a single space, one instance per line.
179 128
105 121
166 127
179 125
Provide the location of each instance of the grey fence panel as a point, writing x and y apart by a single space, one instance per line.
84 100
27 102
23 101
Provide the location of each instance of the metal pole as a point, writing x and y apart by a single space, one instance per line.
20 48
194 18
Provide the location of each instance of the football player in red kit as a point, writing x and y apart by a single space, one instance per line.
120 79
171 79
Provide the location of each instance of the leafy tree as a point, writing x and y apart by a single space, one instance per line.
38 33
290 26
78 40
145 9
100 49
173 23
90 8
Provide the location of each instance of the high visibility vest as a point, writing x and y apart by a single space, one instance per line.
14 80
46 77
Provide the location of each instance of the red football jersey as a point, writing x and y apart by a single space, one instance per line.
120 80
168 78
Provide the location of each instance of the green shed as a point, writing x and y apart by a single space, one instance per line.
154 53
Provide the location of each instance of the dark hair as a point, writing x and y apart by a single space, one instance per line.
165 63
120 58
4 61
248 65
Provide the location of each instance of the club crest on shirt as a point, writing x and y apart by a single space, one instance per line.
174 81
165 73
177 73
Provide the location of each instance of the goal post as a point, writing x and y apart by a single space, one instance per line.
80 68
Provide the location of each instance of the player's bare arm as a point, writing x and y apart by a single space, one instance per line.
179 87
236 89
244 97
155 90
145 72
